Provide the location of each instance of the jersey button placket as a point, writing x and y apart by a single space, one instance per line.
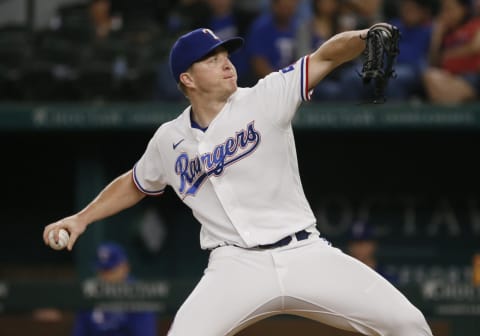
226 195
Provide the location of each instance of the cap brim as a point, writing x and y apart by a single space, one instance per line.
231 45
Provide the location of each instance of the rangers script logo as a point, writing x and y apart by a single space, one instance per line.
194 171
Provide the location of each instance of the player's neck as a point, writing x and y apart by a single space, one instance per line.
204 112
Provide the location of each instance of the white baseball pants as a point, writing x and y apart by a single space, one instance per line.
307 278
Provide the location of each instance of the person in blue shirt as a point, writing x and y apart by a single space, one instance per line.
112 266
415 25
271 39
363 246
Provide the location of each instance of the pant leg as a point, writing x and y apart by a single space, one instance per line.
238 288
324 284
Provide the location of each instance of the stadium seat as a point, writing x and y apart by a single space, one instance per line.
56 62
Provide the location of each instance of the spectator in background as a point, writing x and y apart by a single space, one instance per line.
323 25
363 246
226 20
103 22
357 14
312 34
415 24
112 266
271 40
186 15
454 55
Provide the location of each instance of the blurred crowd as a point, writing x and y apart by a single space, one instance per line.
118 49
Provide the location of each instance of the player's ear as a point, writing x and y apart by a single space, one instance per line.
186 79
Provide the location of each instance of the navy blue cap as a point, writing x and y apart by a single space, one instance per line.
109 255
195 45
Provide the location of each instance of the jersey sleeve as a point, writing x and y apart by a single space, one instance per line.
283 91
148 172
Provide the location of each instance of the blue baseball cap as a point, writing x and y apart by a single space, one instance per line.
195 45
109 255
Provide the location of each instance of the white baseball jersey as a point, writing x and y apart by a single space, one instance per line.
240 177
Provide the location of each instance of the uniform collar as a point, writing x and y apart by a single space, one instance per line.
195 129
187 122
194 124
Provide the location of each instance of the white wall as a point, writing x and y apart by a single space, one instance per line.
13 11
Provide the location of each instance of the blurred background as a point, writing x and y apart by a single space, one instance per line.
85 84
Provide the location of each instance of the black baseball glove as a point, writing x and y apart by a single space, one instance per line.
380 54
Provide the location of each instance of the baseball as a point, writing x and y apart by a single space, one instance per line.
63 237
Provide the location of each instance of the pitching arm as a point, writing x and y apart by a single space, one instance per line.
120 194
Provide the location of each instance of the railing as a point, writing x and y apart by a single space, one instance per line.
118 116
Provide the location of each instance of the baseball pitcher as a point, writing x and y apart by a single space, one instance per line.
230 156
